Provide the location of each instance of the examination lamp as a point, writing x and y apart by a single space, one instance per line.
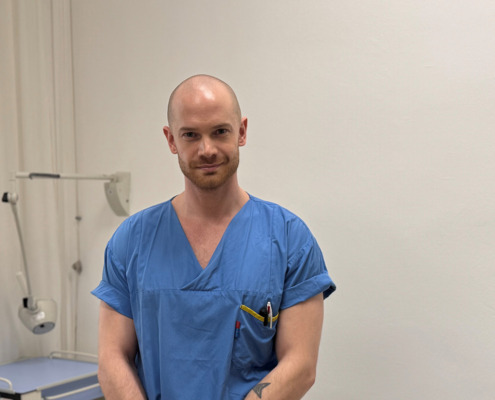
41 317
38 315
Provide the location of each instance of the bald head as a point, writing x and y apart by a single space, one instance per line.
198 88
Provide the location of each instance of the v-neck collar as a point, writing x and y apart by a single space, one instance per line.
220 244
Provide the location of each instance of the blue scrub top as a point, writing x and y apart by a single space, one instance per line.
199 331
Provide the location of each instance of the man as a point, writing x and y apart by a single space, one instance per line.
195 289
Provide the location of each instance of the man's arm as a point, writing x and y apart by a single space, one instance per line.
116 351
297 344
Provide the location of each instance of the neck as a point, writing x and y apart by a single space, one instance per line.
216 204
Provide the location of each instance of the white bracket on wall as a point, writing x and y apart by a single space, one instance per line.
117 192
117 187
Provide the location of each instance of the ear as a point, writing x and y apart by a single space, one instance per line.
243 131
170 139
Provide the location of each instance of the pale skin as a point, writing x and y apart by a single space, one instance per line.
205 133
116 352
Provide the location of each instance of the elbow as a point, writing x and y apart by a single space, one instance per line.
102 375
299 369
306 375
106 373
309 377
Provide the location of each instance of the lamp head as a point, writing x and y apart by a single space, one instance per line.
40 316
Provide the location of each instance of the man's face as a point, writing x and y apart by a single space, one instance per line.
206 134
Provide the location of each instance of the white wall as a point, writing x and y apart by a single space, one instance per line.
375 121
36 135
8 149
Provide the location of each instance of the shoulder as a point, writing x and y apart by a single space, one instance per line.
150 213
277 211
282 219
132 227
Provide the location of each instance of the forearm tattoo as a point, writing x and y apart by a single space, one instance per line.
259 388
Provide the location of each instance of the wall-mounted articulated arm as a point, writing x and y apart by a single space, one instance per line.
117 187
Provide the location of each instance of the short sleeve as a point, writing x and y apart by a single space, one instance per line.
113 288
306 274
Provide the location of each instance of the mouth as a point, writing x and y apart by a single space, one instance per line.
209 167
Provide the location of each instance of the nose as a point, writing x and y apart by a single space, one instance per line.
206 147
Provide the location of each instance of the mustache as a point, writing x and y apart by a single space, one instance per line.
206 160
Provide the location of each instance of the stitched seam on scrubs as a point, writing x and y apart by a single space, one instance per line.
123 279
143 259
305 290
302 250
256 315
123 290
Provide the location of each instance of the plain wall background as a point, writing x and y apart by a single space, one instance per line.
372 120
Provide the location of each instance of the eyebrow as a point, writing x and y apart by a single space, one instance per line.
218 126
225 125
186 129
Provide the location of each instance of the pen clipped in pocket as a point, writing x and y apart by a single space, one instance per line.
254 339
264 316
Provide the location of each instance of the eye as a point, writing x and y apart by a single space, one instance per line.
188 135
222 131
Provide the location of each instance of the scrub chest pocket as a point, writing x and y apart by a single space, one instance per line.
254 338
